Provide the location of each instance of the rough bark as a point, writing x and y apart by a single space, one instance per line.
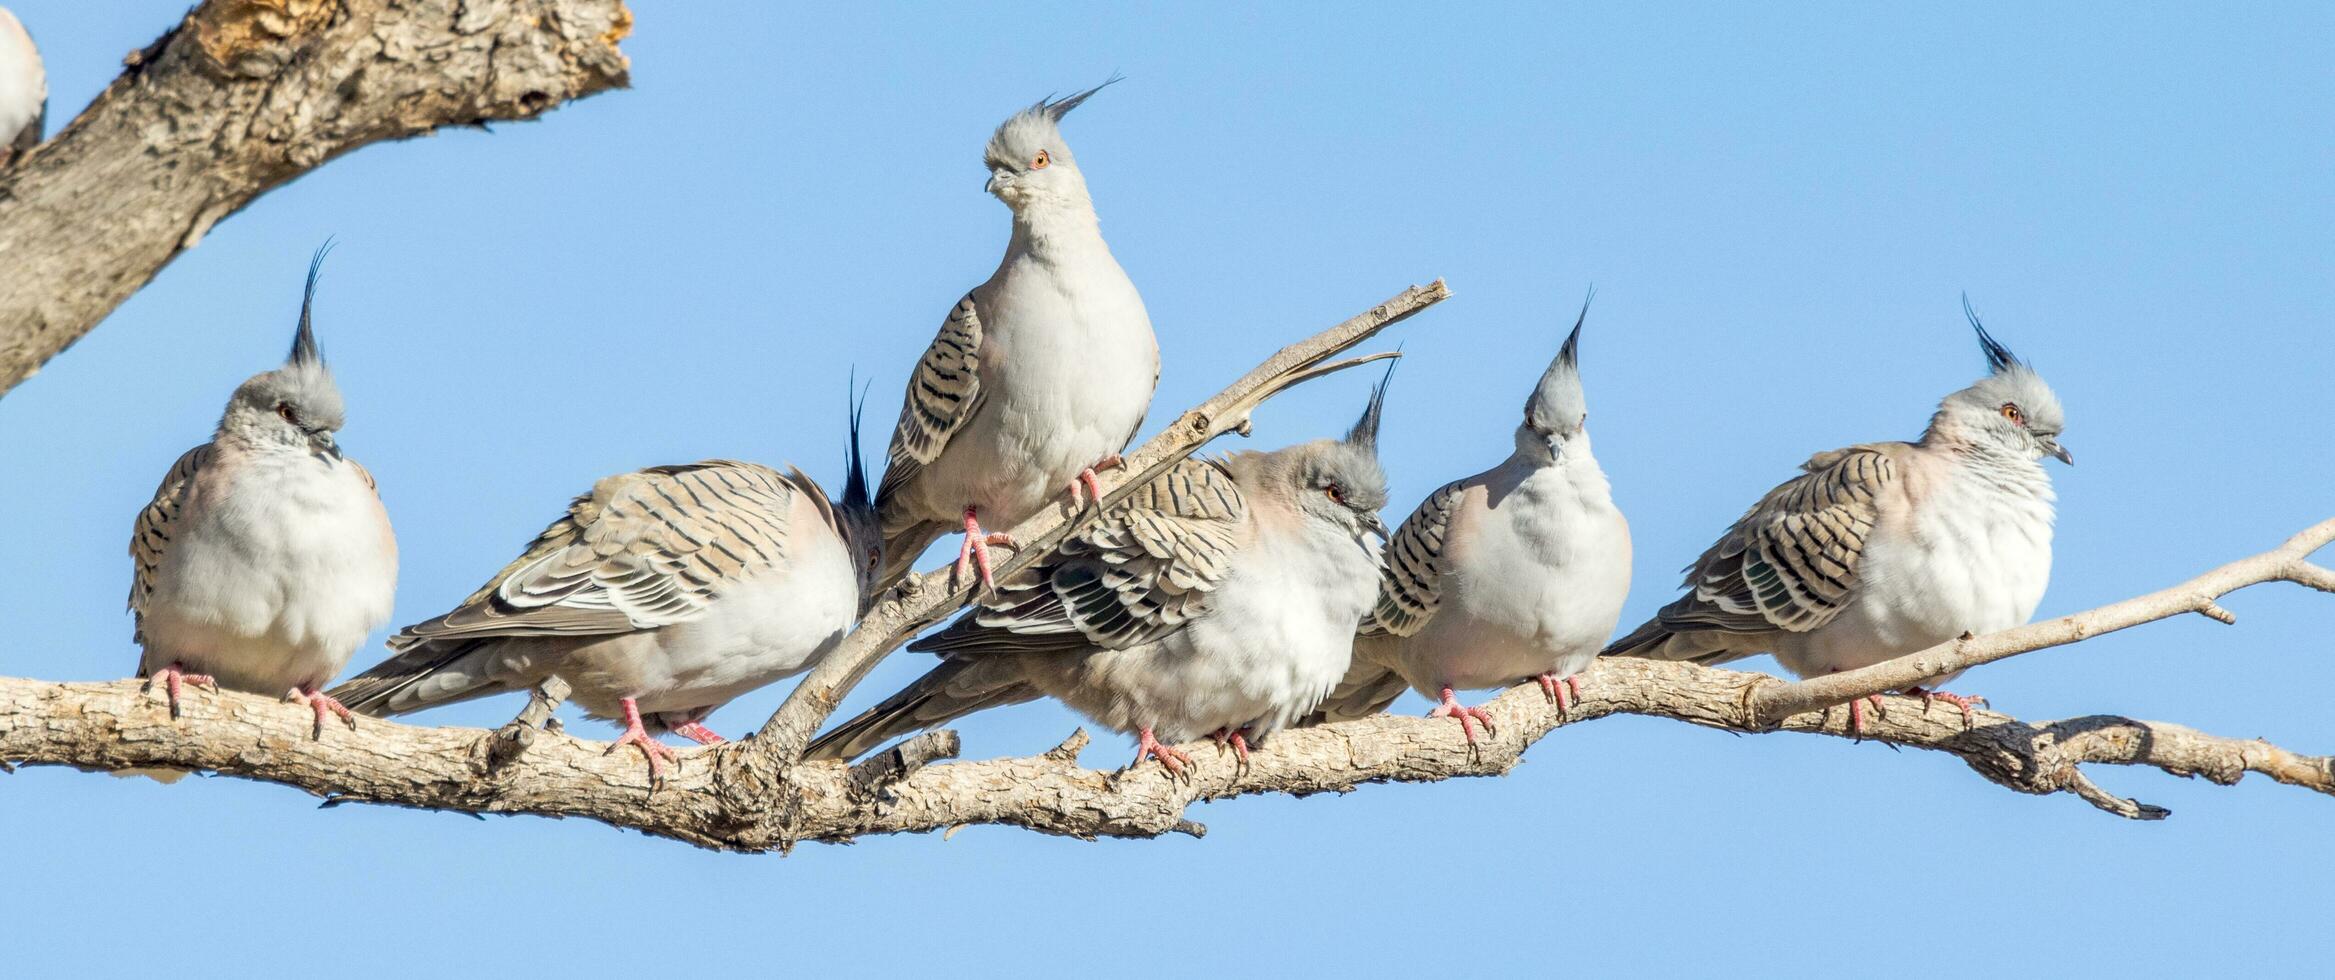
243 96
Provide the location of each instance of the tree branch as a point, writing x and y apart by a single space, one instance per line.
244 96
745 799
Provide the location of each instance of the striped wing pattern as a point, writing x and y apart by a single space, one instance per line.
150 538
1411 585
1791 562
941 397
1140 573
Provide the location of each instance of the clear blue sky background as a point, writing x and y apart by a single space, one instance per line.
1778 209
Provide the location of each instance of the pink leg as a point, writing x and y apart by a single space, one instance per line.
975 549
321 703
636 734
175 675
1239 743
698 733
1962 701
1555 688
1086 478
1857 712
1148 747
1468 717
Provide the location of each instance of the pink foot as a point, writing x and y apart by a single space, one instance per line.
635 734
698 733
175 675
1857 713
1962 701
1555 688
321 703
1086 478
1468 717
1148 747
975 550
1238 742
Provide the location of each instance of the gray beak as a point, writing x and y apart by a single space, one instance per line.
997 179
322 444
2059 452
1376 527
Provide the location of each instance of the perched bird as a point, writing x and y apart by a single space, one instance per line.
1516 573
1040 375
1219 599
24 90
265 558
659 596
1880 550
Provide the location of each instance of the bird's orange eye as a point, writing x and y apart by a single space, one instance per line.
1040 162
1337 494
284 412
2011 411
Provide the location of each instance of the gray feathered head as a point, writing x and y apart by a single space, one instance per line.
1341 481
1557 409
1027 158
2011 408
297 405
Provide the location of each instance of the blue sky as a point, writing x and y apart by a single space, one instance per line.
1779 210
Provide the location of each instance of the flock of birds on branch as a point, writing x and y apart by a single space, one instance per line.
1230 598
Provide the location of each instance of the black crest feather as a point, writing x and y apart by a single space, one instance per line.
1055 108
1364 434
304 342
1570 354
855 477
1998 357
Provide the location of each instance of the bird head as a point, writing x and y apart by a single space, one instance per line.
1029 163
2010 409
1339 481
1557 415
296 406
862 534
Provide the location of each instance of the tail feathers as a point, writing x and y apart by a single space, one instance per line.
902 549
424 675
1655 641
956 688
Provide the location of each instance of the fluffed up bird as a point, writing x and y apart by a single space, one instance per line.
1887 548
265 558
1039 376
659 596
24 90
1516 573
1218 599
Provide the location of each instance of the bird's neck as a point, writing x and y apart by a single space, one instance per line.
1057 228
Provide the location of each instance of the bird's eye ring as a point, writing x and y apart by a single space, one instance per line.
1041 160
2011 411
1337 494
284 411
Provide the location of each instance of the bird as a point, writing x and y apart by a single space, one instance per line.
265 558
1039 376
1883 549
24 90
1219 599
1516 573
658 597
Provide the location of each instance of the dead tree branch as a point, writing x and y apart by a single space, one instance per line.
243 96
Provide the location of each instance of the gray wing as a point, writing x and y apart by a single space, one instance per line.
1410 587
1791 562
150 537
1141 572
941 398
642 550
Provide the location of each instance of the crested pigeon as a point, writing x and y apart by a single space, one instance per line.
1884 549
1038 377
1516 573
265 558
1219 599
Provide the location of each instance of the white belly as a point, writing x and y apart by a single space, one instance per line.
273 581
1536 588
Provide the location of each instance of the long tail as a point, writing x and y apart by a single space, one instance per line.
424 675
956 688
902 549
1655 641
